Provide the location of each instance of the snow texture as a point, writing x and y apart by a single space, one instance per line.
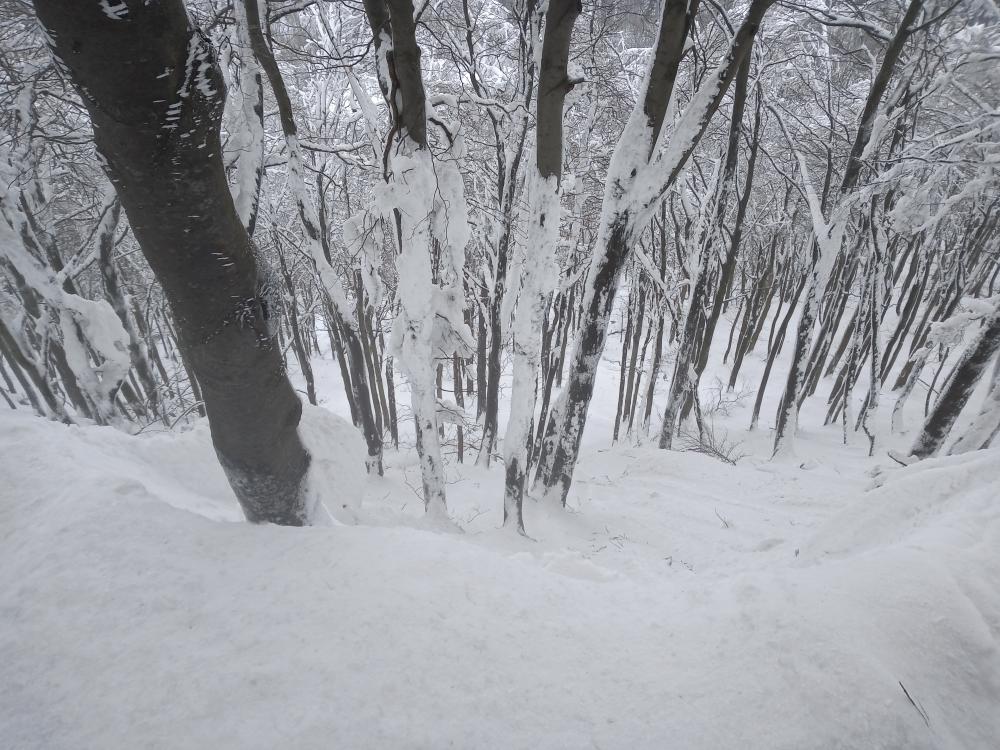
686 603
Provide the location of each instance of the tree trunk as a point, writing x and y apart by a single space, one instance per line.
625 206
158 133
314 228
959 387
538 269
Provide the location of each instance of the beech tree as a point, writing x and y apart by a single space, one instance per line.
538 265
425 198
644 166
152 87
827 250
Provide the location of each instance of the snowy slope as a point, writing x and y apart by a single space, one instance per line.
688 604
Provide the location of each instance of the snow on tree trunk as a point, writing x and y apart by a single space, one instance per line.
138 351
247 103
959 387
84 327
538 267
826 244
538 275
646 162
426 199
827 248
411 195
986 424
685 378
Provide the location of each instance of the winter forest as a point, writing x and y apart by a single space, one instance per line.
632 367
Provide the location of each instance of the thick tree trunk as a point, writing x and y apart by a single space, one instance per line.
155 95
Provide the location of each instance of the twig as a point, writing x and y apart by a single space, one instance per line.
920 709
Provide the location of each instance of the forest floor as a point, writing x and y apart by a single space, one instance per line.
826 600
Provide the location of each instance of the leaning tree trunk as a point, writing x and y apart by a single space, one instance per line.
627 201
788 409
112 285
728 268
986 424
690 361
959 387
564 431
155 95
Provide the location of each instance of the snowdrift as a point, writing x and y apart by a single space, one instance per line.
137 611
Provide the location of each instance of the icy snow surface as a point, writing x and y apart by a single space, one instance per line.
681 603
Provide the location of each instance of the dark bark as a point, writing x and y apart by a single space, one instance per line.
627 336
959 388
456 379
33 382
704 346
635 361
316 232
775 343
391 398
116 296
292 314
10 390
492 364
605 272
155 95
482 341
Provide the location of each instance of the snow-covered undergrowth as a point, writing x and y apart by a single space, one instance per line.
823 601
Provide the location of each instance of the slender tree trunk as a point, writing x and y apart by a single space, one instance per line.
692 356
116 296
959 388
314 228
619 219
538 269
796 382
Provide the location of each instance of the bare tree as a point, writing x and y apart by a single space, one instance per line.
538 266
645 165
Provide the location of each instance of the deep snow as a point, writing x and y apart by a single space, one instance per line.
825 601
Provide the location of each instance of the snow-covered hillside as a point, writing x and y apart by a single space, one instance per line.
514 374
683 603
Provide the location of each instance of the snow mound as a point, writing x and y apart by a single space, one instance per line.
135 614
336 470
940 502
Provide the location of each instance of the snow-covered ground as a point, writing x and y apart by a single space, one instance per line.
828 600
